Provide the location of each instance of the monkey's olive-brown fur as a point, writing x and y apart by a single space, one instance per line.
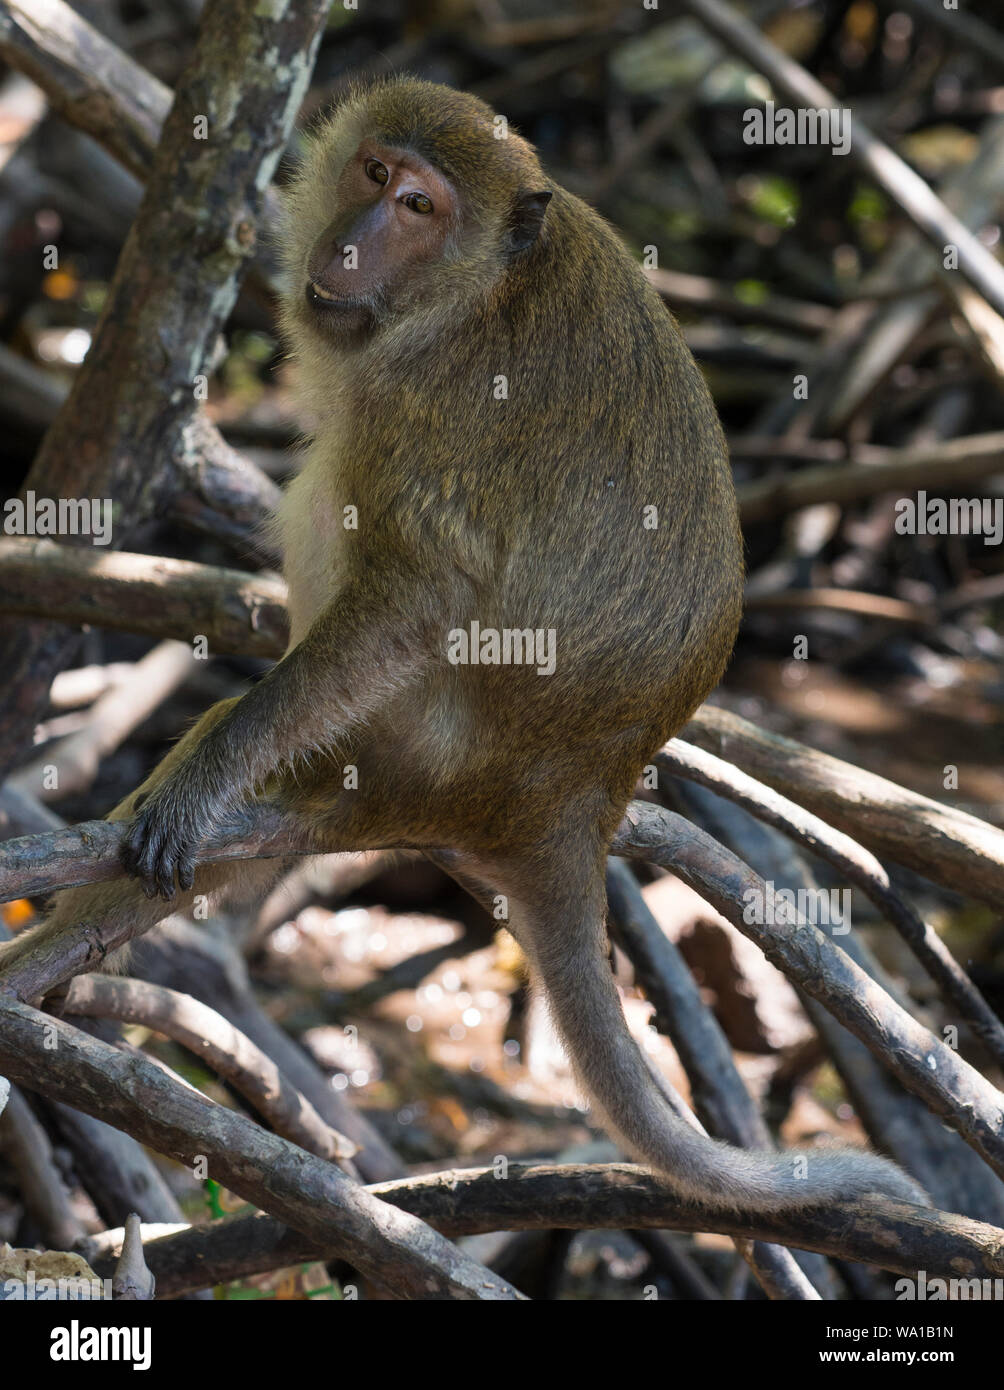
505 429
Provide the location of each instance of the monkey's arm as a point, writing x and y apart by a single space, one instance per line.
360 650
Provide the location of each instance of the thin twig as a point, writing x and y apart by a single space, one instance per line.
908 190
231 1054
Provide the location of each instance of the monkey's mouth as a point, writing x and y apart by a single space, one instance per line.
320 298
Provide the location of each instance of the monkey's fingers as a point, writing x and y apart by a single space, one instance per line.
129 854
153 850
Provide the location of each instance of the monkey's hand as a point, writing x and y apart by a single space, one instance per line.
307 702
184 802
165 836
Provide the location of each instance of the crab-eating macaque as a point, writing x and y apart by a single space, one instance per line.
514 567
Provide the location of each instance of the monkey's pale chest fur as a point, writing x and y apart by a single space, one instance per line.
314 536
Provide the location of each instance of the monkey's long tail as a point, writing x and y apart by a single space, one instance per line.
567 949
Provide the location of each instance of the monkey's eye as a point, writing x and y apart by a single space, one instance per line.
418 202
376 171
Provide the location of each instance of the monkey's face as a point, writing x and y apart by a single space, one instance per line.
393 216
408 209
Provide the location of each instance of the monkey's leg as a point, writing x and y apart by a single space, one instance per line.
557 916
122 902
363 648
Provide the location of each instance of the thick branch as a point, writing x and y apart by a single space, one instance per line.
89 853
951 1087
119 430
938 841
92 84
608 1196
944 464
36 865
223 494
398 1252
236 611
858 864
948 1084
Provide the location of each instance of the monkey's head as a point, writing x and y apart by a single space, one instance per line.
411 199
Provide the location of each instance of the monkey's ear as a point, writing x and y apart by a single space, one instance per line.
526 218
